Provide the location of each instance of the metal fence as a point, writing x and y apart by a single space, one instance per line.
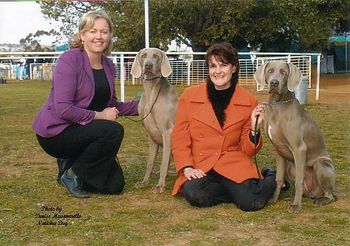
188 68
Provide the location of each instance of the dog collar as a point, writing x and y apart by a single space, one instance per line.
283 102
158 77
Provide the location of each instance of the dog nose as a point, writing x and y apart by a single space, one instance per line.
274 82
148 65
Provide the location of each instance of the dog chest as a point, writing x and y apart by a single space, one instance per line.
269 132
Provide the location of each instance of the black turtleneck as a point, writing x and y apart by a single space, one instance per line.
219 100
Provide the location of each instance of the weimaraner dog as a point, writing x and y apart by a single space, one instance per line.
157 108
301 154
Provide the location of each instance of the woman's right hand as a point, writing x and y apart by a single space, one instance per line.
193 173
107 114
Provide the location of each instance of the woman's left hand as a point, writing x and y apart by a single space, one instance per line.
194 173
259 110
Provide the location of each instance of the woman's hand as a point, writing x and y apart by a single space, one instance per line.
107 114
259 110
192 173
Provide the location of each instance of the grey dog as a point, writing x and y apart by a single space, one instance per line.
301 154
157 108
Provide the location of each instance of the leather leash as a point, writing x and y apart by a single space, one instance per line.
154 102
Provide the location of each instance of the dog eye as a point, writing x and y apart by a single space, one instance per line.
155 56
144 56
284 72
270 70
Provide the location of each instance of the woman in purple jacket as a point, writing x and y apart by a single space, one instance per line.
77 123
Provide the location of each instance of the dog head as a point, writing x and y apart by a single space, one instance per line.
279 76
151 63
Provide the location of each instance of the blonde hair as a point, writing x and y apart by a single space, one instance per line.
87 21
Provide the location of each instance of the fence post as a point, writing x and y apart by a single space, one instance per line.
309 68
188 73
318 77
122 78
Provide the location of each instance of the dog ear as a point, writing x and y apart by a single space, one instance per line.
260 76
136 67
294 77
165 67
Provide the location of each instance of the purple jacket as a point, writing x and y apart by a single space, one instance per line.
73 88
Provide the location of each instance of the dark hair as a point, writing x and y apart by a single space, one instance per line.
224 52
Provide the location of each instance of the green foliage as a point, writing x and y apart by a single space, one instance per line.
30 42
265 25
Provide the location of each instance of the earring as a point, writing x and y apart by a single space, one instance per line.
82 42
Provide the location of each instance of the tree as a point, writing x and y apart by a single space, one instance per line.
265 25
65 12
312 22
31 41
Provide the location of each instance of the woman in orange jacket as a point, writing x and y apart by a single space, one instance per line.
214 139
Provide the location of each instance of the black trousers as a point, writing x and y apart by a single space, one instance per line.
91 151
250 195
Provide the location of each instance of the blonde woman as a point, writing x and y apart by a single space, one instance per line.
77 124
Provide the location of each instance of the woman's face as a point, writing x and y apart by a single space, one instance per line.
96 39
220 73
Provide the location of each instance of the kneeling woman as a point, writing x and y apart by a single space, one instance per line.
77 123
214 139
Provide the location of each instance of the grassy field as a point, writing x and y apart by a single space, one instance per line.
35 210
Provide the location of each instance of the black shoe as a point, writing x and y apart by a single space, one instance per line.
266 171
71 181
286 185
62 166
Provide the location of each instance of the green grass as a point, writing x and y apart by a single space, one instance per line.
139 217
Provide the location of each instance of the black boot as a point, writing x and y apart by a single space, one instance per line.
71 181
266 171
62 166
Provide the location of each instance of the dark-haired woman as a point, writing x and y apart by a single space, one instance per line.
214 139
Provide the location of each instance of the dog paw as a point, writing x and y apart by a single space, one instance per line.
294 208
322 201
140 185
158 189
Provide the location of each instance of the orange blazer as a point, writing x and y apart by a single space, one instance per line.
199 141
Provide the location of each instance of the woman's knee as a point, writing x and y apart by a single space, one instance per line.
114 130
254 194
116 189
196 198
251 205
109 130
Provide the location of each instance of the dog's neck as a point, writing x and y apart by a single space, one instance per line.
151 87
153 78
281 98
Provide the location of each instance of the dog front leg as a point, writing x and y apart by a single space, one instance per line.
165 163
280 176
152 155
300 164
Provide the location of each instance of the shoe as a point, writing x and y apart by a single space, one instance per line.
286 186
266 171
71 181
62 166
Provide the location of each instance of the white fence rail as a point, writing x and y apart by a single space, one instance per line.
188 68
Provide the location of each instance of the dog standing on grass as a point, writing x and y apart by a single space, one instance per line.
301 154
157 108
